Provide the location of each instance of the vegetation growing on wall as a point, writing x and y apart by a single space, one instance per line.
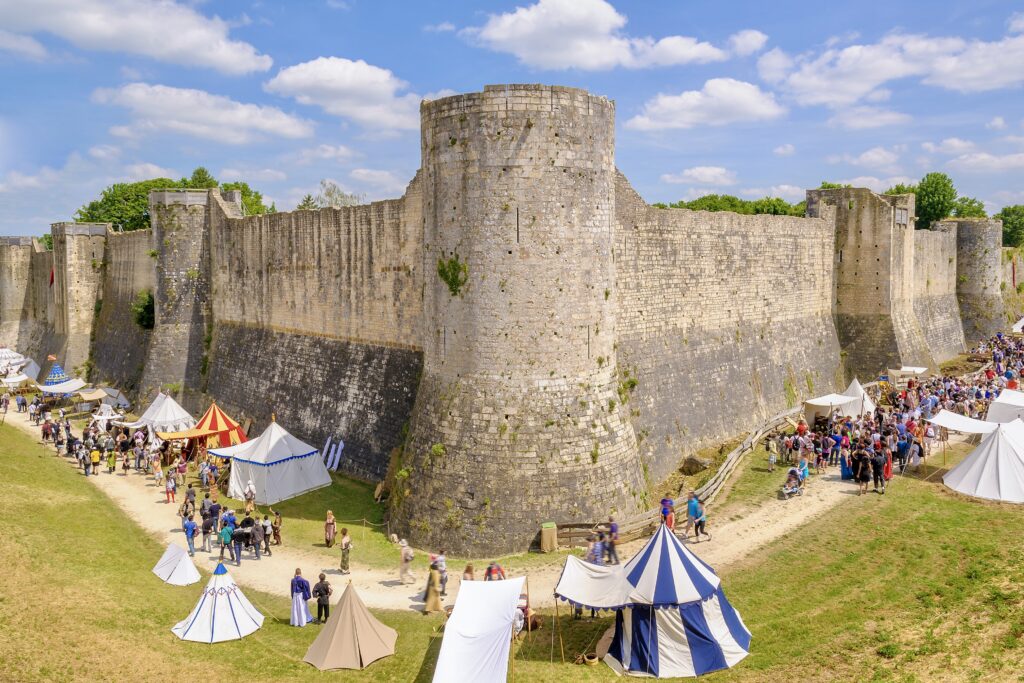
126 205
144 309
453 273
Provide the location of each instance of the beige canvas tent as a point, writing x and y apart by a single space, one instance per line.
352 638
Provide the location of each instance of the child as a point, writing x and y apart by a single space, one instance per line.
158 473
126 462
170 488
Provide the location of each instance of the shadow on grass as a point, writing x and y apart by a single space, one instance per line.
429 663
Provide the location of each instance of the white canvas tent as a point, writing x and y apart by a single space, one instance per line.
955 422
995 469
864 406
176 567
1007 406
103 415
1019 326
478 635
279 465
848 406
11 359
28 374
222 613
68 387
163 415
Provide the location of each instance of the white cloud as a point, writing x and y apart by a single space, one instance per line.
985 162
791 193
380 183
160 29
747 42
842 77
266 175
22 46
336 153
702 175
879 158
786 150
997 123
104 152
145 171
948 146
584 34
720 102
861 118
364 93
443 27
158 108
1016 22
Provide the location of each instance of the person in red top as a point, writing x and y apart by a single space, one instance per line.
801 428
670 519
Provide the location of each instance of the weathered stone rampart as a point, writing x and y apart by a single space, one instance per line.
526 335
724 320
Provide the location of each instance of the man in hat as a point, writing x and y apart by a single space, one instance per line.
405 568
300 594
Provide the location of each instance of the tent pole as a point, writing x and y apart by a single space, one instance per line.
512 652
527 613
558 625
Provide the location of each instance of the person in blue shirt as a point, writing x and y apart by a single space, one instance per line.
300 594
692 507
190 535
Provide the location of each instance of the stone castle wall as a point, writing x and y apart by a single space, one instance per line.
594 342
723 320
121 346
316 317
935 302
1012 284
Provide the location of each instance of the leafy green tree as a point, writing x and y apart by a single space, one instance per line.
901 188
772 205
1013 225
826 185
969 207
936 197
307 204
47 240
727 202
252 200
124 204
201 179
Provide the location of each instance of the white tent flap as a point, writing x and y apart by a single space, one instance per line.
961 423
176 567
1007 406
72 385
995 469
478 635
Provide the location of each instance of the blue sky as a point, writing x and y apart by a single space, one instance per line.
748 98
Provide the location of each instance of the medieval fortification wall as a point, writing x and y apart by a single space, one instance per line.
579 345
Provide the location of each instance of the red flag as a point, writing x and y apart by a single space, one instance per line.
51 277
51 357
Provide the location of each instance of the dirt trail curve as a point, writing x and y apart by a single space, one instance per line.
143 501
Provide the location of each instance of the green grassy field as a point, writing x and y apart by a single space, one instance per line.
918 585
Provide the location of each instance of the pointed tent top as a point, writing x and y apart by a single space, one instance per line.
221 569
352 638
214 423
56 376
995 469
274 445
666 572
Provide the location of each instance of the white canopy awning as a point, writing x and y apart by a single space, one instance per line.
1007 406
478 635
961 423
68 387
848 406
865 406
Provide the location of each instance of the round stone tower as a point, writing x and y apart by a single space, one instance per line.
979 252
518 418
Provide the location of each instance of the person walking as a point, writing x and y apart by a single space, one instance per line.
433 595
256 537
169 488
209 522
330 529
250 496
300 594
346 548
405 565
268 531
238 539
442 566
878 461
700 519
861 470
111 461
275 526
225 542
613 539
322 591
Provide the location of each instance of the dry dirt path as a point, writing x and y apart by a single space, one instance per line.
139 497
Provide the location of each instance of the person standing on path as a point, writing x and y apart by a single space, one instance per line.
405 564
330 529
238 538
225 542
275 526
433 594
209 522
878 460
169 488
700 519
190 535
442 566
346 548
322 591
300 594
268 531
256 537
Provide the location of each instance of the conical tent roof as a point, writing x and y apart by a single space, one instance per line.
353 638
10 358
176 568
215 426
222 613
995 469
56 376
855 389
279 465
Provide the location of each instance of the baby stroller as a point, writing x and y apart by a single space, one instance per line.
793 486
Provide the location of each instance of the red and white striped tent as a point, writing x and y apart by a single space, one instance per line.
215 426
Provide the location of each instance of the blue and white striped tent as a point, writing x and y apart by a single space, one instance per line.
672 617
